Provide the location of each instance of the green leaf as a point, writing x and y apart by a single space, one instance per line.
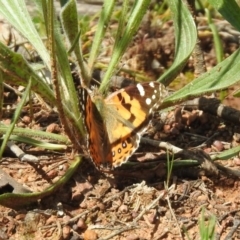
15 117
15 12
218 45
30 133
134 20
221 76
17 71
103 22
69 19
229 10
185 39
225 155
236 93
14 200
37 143
1 94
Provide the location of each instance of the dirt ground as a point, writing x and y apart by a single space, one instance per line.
137 201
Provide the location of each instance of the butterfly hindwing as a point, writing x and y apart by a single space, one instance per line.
98 142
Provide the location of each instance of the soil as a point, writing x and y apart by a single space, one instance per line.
141 200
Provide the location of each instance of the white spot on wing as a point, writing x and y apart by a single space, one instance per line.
148 101
140 89
151 84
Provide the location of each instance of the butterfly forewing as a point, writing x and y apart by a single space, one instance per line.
132 108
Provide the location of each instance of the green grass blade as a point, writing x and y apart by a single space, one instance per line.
15 12
216 38
221 76
37 143
15 117
16 71
14 200
68 94
69 19
230 11
120 46
30 133
206 229
1 94
19 71
185 39
122 21
227 154
103 22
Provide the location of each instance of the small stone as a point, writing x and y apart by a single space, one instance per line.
218 145
123 208
219 193
134 214
90 235
53 128
26 119
81 224
101 206
83 205
202 198
51 220
151 217
237 161
132 237
66 232
66 218
52 173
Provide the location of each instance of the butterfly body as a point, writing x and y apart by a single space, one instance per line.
115 124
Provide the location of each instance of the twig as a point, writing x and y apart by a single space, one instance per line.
174 216
59 233
95 207
20 154
229 171
134 223
216 108
149 207
165 145
228 213
236 224
124 229
198 56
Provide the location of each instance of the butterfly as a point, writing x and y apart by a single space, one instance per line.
115 124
